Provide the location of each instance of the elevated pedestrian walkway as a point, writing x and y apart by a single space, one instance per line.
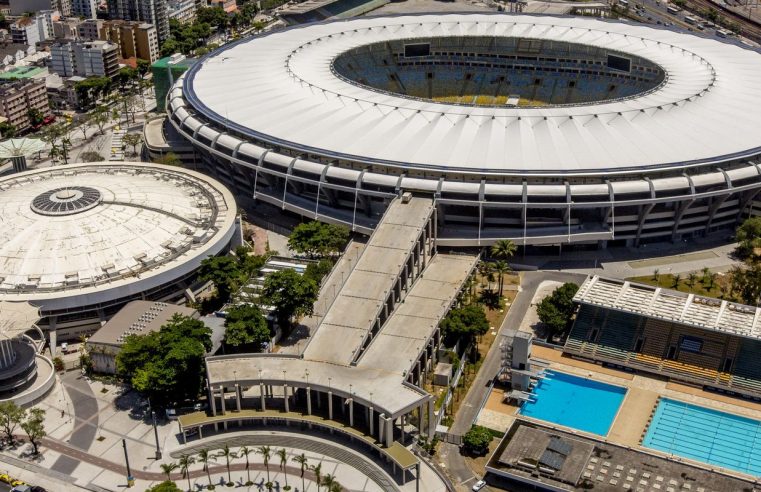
394 256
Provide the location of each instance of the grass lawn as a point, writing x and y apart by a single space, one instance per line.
701 286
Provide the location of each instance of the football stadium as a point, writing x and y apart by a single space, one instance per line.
539 129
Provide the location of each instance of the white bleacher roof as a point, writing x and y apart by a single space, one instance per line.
702 111
702 312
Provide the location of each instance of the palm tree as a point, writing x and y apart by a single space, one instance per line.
168 468
655 274
205 457
244 451
317 469
227 455
329 481
266 453
283 460
677 279
691 279
501 268
185 462
302 460
504 249
706 273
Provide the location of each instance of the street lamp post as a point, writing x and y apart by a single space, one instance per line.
130 479
155 434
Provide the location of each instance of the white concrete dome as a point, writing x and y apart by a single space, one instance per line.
88 234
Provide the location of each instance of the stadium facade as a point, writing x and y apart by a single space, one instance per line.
539 129
80 241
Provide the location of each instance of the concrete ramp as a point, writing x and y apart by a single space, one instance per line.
396 253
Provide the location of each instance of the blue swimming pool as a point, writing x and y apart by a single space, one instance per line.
575 402
706 435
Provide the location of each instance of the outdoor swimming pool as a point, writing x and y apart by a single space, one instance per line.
575 402
706 435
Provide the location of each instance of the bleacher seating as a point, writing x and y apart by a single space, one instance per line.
682 352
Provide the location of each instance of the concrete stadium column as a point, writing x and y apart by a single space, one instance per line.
350 402
431 419
237 396
52 334
317 398
381 425
330 405
212 403
389 428
371 420
261 396
222 400
309 401
285 397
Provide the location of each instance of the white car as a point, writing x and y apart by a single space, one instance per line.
479 485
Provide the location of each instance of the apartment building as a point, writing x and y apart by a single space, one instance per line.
84 8
84 58
33 30
149 11
89 30
18 97
134 39
182 10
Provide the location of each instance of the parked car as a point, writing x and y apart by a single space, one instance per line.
479 485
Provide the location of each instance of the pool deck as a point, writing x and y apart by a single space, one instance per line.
633 417
641 399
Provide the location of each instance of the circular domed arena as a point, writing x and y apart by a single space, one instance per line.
78 242
539 129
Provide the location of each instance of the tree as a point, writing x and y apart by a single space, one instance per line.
304 463
677 279
290 293
167 365
227 455
90 156
266 453
11 415
7 130
167 486
246 328
133 140
168 468
244 451
58 136
318 239
504 249
556 310
224 271
143 67
317 470
34 428
464 323
81 124
318 271
749 237
501 267
691 278
476 440
100 116
35 117
186 462
169 159
283 455
205 457
329 481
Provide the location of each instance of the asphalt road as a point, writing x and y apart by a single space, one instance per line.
460 474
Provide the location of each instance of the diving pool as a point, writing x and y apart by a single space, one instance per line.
706 435
575 402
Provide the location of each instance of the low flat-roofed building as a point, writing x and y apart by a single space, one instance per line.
550 459
135 318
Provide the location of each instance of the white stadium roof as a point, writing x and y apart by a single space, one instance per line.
90 233
280 88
